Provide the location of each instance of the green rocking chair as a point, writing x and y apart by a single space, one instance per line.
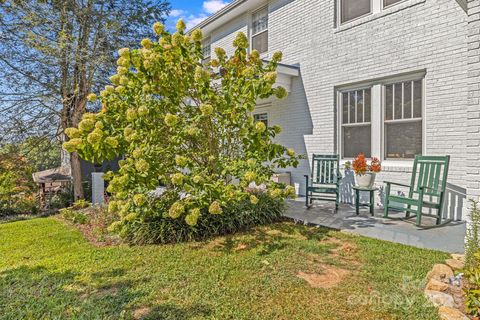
324 181
426 189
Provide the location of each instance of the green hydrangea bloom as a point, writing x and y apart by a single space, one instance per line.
146 43
94 138
281 93
253 199
131 114
250 176
215 208
241 41
206 109
72 133
197 35
86 125
176 210
139 199
260 127
291 152
180 26
192 218
142 165
171 120
177 178
92 97
72 145
112 142
158 28
181 161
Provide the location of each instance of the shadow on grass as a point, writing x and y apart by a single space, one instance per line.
37 293
270 239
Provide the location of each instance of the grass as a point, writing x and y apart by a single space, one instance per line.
49 271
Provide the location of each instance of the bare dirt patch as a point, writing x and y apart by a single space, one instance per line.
141 313
330 277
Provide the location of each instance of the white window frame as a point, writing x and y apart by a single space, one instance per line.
375 7
252 35
262 112
377 116
206 58
340 113
385 121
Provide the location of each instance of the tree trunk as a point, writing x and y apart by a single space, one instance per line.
77 177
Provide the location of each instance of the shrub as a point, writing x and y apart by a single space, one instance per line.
186 126
74 216
472 241
81 204
238 217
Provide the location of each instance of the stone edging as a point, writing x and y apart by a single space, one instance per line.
444 289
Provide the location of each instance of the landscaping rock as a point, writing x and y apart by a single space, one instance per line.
440 272
455 264
447 313
436 285
440 298
457 256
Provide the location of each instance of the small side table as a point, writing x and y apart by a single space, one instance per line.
371 204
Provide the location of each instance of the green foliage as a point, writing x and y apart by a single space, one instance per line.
472 242
41 153
17 190
472 292
81 204
237 217
186 126
74 216
61 199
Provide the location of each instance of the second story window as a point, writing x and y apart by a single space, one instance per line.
206 50
260 30
352 9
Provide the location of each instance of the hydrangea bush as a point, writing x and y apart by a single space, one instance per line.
187 126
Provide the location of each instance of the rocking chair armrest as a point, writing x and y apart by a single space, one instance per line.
397 184
425 188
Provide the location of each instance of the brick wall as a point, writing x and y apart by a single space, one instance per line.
411 36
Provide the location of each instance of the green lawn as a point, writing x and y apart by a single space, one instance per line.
48 271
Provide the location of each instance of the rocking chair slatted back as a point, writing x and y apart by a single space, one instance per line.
325 169
430 172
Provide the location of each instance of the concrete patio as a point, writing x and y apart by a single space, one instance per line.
448 237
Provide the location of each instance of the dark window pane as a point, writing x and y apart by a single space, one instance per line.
356 140
367 104
360 106
260 42
352 107
398 101
389 102
407 100
352 9
403 140
345 107
262 117
260 21
386 3
417 99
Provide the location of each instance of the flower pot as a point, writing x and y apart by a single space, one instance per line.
365 180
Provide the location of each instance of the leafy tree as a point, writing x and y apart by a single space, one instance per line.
16 185
54 52
41 153
186 126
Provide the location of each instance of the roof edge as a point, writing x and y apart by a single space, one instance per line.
229 7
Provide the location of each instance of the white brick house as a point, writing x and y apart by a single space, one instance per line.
391 78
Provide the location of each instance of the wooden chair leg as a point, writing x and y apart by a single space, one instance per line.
419 213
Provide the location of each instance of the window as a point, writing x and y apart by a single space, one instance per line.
387 3
351 9
263 117
206 50
260 30
356 125
403 119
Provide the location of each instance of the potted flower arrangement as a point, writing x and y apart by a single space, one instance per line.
364 172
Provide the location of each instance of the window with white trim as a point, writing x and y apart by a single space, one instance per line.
262 117
356 126
403 119
352 9
206 49
259 38
382 118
